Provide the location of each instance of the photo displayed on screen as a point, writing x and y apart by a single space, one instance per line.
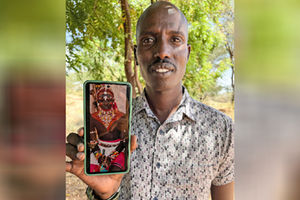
108 128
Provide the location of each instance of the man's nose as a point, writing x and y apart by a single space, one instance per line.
162 49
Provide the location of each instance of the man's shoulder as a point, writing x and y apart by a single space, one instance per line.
212 123
135 99
208 113
137 103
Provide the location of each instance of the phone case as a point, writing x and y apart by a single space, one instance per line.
106 133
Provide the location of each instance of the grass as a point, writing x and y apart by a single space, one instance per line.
221 103
74 110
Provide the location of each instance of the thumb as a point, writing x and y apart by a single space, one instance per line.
133 144
69 166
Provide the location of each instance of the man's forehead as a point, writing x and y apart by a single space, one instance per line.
167 22
161 13
170 9
169 18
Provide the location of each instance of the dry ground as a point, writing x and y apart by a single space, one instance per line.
75 188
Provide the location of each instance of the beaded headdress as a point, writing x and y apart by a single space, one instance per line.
103 89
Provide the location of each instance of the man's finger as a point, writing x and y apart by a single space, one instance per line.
69 166
74 139
133 144
80 156
71 151
80 147
80 131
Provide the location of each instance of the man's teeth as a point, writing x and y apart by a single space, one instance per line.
162 70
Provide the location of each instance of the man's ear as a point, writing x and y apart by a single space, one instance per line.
189 51
135 57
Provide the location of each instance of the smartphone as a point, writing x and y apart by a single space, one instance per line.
107 117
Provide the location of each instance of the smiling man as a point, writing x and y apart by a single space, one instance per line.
162 52
185 147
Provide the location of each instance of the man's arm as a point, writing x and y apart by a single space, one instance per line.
222 192
222 187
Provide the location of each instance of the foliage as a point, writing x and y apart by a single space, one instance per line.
96 42
208 59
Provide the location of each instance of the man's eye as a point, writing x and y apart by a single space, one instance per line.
148 41
176 40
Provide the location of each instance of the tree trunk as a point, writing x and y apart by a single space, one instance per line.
128 50
131 75
230 51
232 83
136 78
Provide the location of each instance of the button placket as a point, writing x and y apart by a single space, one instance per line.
157 165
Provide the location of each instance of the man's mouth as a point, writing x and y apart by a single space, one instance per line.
162 69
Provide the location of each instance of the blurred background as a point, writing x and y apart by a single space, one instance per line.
32 100
267 107
39 66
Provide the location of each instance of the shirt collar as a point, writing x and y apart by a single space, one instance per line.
141 103
185 106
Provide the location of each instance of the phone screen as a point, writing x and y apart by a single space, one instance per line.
107 127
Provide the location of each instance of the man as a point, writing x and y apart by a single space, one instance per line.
108 133
185 148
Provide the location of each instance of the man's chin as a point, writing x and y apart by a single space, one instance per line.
106 108
161 85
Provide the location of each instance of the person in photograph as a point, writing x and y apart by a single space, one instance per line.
108 132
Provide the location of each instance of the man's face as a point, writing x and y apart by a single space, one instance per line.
162 50
106 101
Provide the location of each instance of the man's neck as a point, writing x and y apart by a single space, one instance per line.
164 103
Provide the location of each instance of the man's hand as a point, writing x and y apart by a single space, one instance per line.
223 192
121 125
104 185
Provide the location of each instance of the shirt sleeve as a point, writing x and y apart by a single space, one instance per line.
225 173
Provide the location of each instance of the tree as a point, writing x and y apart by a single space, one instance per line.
102 35
131 75
226 28
208 60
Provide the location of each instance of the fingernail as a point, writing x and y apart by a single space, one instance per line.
80 131
79 155
80 147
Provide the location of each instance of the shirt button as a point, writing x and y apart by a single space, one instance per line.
161 132
158 165
155 198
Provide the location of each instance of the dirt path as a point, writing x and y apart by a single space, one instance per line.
75 188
